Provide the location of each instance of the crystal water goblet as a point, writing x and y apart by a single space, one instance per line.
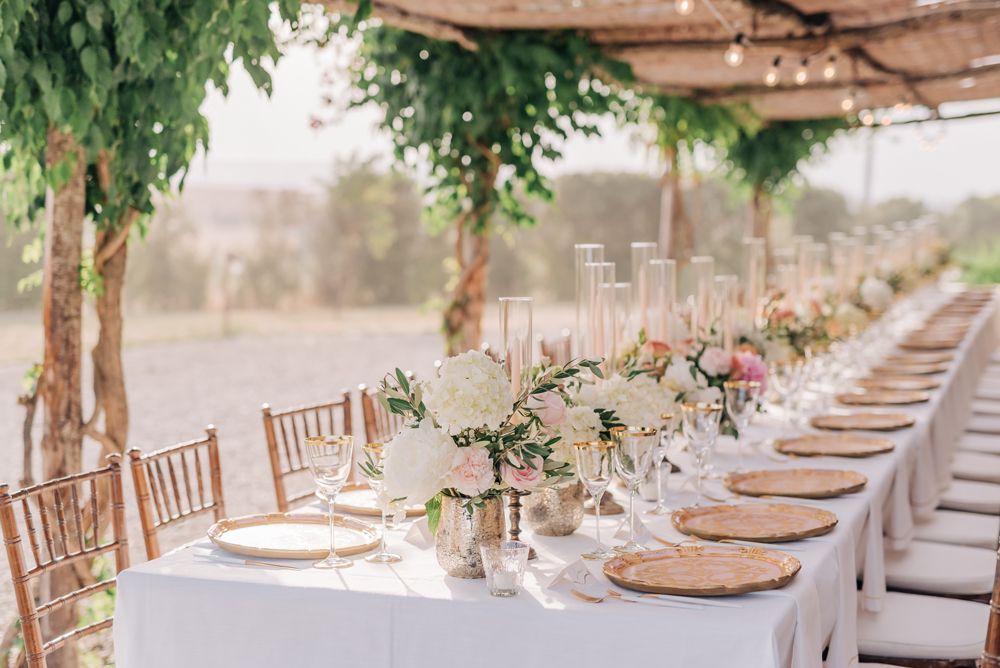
742 400
330 464
595 467
701 427
372 470
786 377
659 457
633 457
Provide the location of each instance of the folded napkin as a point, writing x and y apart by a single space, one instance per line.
643 536
420 534
577 575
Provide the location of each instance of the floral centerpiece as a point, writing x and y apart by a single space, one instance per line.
874 296
702 376
791 333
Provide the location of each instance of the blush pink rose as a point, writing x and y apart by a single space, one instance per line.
525 478
473 472
715 361
549 407
748 366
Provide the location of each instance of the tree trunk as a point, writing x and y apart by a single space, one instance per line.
761 205
464 315
62 302
676 232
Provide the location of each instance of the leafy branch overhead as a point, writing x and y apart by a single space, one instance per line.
482 119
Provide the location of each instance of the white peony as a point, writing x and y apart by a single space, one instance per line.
637 403
850 316
580 424
876 294
470 392
678 377
417 462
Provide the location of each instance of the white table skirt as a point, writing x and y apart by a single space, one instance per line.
184 610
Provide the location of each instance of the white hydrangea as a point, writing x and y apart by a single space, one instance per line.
470 392
678 378
581 424
637 403
850 316
876 294
417 461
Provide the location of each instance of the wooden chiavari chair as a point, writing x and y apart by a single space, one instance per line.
285 431
67 530
171 483
559 350
380 424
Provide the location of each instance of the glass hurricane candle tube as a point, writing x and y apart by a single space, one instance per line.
703 270
755 276
516 334
642 252
725 303
615 302
663 294
596 273
583 254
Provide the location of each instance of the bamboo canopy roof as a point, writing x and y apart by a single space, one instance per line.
882 52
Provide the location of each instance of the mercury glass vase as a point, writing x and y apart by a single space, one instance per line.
460 533
556 510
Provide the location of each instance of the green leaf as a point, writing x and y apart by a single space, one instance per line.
88 61
95 15
77 35
433 507
64 12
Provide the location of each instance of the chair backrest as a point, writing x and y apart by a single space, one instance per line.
559 350
62 523
177 483
991 652
380 424
285 431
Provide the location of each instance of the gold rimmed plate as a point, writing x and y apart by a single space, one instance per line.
703 570
899 383
863 421
759 522
359 499
923 369
929 357
883 397
292 536
834 445
802 483
926 343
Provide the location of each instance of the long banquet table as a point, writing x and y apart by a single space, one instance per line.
193 607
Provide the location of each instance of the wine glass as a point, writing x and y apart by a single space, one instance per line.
786 377
372 470
742 399
660 456
701 426
633 457
330 464
595 466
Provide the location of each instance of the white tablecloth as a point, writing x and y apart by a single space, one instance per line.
186 610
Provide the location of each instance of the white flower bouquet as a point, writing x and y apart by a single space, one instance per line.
467 437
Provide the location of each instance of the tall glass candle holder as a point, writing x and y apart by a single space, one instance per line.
800 244
515 331
583 254
642 253
725 304
817 271
663 294
617 300
703 269
755 276
595 273
786 273
607 324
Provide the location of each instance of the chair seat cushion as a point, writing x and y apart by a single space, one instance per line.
986 406
984 424
972 496
990 391
923 627
958 528
976 466
980 443
939 568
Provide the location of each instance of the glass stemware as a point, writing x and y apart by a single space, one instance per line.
595 466
660 456
372 470
701 427
786 377
633 457
742 399
330 464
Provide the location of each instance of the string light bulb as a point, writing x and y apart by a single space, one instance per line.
847 104
802 72
866 117
830 69
684 7
773 75
734 54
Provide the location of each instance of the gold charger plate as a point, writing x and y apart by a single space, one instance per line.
899 383
703 570
924 369
883 397
930 344
802 483
760 522
292 536
834 445
864 421
358 498
929 357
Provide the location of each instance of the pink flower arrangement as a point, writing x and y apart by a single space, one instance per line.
525 478
473 472
715 361
748 366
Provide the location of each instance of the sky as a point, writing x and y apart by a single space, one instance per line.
260 142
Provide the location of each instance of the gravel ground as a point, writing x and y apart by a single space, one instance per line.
176 389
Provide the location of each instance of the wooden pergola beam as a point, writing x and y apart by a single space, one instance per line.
399 18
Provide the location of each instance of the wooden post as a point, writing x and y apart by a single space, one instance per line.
272 453
141 482
31 632
118 513
991 652
215 471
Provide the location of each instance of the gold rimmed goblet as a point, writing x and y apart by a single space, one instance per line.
742 400
330 464
372 470
633 457
660 456
701 427
595 467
